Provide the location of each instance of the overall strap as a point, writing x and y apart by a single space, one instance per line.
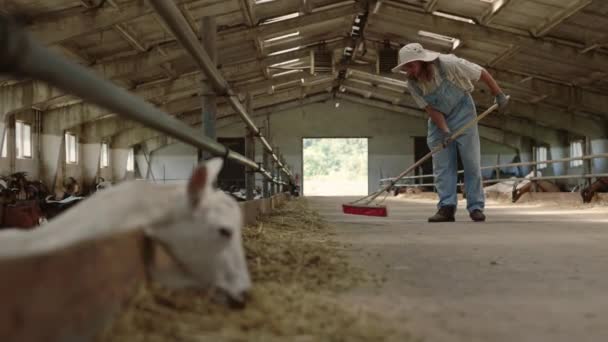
413 85
441 68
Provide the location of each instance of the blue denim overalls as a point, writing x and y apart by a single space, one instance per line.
458 107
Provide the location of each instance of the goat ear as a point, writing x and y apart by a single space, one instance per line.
214 166
197 184
202 179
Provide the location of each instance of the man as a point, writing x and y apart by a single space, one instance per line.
442 84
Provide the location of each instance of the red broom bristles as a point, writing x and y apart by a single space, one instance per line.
365 210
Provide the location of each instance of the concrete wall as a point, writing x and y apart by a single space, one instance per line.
493 153
390 146
600 146
173 163
13 164
118 164
76 170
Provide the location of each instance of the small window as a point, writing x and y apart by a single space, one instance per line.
541 155
23 140
4 145
71 149
130 161
104 160
576 151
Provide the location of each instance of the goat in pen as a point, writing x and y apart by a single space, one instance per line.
199 226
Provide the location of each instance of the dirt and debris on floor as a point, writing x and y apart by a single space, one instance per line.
297 271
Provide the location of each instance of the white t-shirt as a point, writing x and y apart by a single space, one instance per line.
459 71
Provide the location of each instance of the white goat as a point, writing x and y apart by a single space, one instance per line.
199 225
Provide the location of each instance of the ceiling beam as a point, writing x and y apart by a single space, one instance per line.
493 10
58 30
306 6
507 53
248 9
61 29
129 36
194 25
139 134
508 125
227 120
79 57
269 86
122 29
548 115
59 119
87 116
593 46
234 36
488 133
570 99
55 31
549 23
43 96
431 6
557 94
390 19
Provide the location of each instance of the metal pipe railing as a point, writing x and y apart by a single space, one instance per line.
500 166
586 176
590 175
553 161
21 55
180 27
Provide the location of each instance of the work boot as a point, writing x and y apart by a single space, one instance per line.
444 214
477 215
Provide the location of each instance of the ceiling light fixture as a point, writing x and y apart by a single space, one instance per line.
285 36
285 51
496 4
288 72
285 63
454 17
454 42
280 18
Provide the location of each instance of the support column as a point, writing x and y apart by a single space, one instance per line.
277 171
148 157
272 171
587 163
283 176
535 166
209 99
249 153
4 145
278 176
267 165
11 144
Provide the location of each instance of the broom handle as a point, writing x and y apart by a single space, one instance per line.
435 150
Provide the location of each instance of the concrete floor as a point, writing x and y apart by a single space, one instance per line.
531 273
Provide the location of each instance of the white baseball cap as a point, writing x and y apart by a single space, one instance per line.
414 52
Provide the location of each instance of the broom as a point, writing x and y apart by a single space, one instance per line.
364 206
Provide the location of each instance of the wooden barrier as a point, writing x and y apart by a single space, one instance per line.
72 294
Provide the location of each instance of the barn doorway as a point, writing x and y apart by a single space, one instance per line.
335 166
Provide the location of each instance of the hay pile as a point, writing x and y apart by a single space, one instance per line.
295 268
293 245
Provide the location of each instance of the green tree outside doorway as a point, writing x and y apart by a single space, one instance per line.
335 166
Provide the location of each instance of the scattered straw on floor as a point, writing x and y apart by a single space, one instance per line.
296 269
